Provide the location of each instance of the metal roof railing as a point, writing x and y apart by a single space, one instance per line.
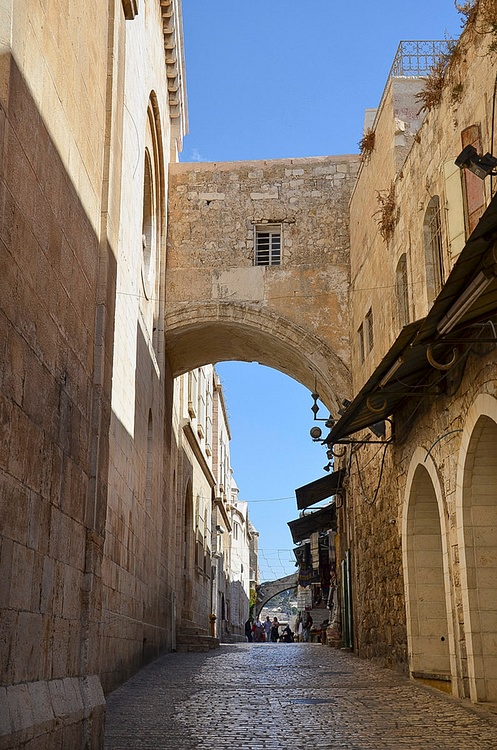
416 59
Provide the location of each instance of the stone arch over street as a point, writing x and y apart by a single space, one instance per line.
268 590
223 302
430 632
216 332
477 531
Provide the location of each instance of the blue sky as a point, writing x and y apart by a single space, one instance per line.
270 79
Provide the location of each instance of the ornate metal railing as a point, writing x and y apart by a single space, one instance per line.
418 58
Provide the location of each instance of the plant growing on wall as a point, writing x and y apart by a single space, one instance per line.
388 212
366 144
468 9
482 15
435 81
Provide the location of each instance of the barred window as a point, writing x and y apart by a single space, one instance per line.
432 230
267 244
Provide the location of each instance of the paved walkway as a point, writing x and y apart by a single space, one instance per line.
286 696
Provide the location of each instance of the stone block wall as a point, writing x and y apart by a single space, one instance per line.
416 164
48 590
213 212
86 447
214 209
428 432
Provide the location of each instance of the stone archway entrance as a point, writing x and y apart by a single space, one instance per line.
429 630
223 303
478 539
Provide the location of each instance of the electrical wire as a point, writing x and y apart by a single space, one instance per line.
410 285
375 495
270 500
273 564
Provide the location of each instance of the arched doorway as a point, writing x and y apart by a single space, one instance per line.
477 526
426 577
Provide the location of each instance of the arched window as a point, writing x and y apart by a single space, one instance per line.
432 235
152 225
402 291
149 232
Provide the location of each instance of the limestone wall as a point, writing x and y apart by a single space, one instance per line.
423 472
417 173
300 304
87 452
51 161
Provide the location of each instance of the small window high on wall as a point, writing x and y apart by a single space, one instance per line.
267 245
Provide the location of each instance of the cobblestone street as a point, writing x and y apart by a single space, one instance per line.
283 696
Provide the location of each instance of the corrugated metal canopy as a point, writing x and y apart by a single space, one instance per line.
318 490
373 404
407 360
323 519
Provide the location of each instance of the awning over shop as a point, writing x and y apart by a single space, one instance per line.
416 364
323 519
318 490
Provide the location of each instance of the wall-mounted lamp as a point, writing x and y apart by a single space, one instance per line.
464 302
316 432
481 166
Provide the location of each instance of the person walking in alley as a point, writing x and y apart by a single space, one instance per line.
258 632
248 630
275 628
299 629
307 625
267 628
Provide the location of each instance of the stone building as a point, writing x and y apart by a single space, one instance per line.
213 584
232 535
106 485
418 515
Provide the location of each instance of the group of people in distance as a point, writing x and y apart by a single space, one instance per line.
268 631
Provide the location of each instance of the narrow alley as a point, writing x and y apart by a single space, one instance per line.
282 696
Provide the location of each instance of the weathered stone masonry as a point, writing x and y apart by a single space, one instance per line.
293 316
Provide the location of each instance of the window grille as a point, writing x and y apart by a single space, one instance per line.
267 245
432 230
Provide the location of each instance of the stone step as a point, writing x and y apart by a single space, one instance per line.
190 642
